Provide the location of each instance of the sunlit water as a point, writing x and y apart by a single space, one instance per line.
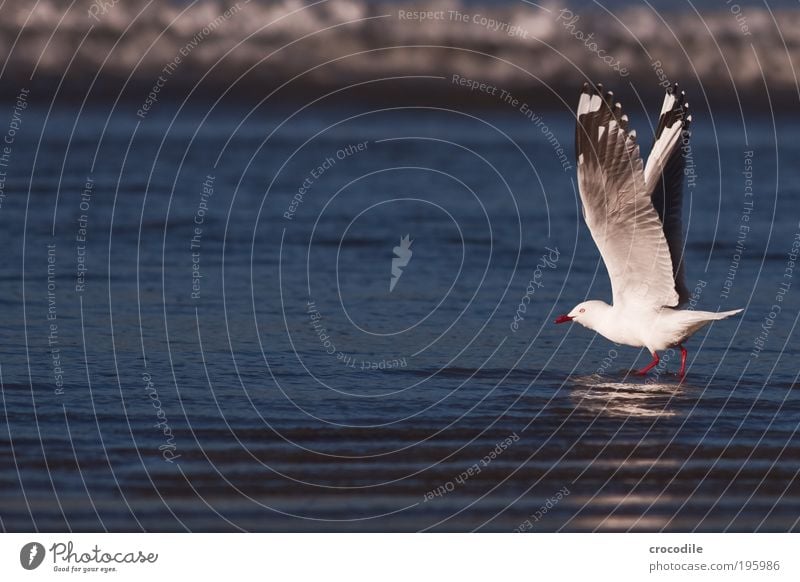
246 406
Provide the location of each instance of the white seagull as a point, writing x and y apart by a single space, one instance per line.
633 211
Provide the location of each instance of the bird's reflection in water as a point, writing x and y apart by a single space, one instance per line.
626 395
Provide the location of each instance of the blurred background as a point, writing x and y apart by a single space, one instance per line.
200 328
733 48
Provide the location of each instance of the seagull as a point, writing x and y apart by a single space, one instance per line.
633 211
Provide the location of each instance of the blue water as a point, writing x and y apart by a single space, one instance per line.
226 411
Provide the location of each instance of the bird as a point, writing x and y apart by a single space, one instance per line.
633 211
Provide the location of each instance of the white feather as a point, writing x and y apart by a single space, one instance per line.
583 104
669 101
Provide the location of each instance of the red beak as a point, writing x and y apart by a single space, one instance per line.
562 319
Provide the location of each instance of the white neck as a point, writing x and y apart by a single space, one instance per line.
601 318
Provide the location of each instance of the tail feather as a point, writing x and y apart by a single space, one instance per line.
723 314
694 320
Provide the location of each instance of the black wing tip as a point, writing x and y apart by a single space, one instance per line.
598 89
687 117
607 97
678 112
592 88
610 106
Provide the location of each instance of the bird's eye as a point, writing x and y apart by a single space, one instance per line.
581 310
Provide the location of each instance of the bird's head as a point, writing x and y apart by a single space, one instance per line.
586 313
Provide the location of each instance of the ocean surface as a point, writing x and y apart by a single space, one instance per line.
198 331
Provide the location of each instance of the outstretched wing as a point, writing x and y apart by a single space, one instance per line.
617 206
664 173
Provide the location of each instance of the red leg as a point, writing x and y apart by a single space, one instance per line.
684 353
653 363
